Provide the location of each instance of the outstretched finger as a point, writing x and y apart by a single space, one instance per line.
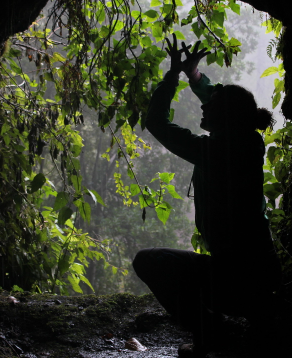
202 53
185 49
195 50
169 49
169 46
174 41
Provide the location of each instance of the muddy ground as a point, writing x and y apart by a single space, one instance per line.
41 326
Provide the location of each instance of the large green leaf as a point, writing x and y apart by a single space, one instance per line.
269 71
272 191
134 189
96 197
75 283
64 214
162 213
172 192
166 177
61 200
84 209
38 181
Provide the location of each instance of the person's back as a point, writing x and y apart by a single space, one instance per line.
243 269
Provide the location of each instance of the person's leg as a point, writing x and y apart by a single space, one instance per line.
175 277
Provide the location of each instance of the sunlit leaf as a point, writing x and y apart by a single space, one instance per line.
269 71
172 192
163 214
179 35
166 177
134 189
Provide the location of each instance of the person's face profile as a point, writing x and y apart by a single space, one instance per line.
213 113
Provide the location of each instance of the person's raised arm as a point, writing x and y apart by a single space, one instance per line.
199 82
178 140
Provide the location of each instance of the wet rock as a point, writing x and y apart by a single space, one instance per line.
12 300
134 345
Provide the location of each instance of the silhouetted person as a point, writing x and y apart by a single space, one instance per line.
243 271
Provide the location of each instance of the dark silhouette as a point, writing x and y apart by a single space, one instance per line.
243 271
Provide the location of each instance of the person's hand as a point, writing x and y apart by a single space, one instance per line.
190 65
175 54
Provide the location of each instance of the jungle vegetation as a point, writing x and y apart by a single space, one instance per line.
82 72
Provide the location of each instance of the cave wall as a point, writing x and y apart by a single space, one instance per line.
280 10
17 15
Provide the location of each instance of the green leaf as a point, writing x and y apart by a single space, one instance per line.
281 171
146 41
75 283
171 114
279 85
84 209
85 280
198 30
179 35
220 58
5 128
119 25
269 71
182 85
233 42
48 76
76 150
269 177
271 154
178 3
97 197
162 213
57 57
134 189
276 100
157 29
76 181
104 31
136 14
234 7
38 181
155 3
61 200
272 191
211 58
64 264
15 67
172 192
64 214
144 203
218 17
152 14
166 177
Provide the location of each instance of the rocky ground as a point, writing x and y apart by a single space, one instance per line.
40 326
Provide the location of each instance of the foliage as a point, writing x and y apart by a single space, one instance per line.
277 179
82 55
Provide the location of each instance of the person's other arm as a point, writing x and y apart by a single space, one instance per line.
202 87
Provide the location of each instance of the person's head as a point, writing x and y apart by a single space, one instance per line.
234 107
